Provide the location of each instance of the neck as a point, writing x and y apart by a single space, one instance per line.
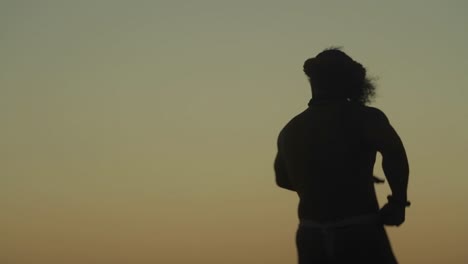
327 99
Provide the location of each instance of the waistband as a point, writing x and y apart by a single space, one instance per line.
373 218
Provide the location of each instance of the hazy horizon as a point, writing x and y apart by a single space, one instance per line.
145 131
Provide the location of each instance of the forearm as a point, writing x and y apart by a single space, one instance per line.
281 174
396 171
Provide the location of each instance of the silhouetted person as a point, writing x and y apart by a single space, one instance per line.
327 153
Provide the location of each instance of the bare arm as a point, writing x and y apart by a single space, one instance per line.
395 163
281 175
383 137
282 179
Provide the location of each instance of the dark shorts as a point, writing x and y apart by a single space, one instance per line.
354 243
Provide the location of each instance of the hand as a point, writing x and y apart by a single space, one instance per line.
392 214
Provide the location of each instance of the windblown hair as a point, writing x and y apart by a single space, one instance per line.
334 72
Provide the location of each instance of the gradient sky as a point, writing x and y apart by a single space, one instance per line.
144 131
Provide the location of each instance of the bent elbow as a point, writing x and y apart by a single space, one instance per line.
284 185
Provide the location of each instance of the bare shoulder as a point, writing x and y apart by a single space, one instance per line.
374 115
293 123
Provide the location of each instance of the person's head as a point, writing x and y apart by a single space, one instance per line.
332 73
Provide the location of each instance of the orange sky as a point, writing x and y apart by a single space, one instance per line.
144 131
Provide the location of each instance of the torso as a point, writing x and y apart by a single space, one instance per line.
328 161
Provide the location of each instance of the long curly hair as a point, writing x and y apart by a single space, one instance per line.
333 71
